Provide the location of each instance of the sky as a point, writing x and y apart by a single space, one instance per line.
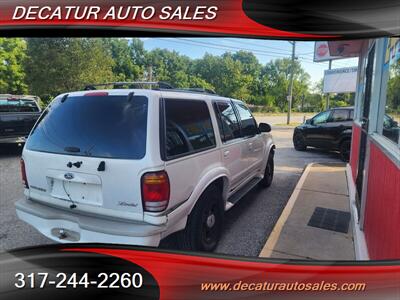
264 50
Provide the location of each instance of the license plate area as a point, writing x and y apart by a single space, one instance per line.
79 192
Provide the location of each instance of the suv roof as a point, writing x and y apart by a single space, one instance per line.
152 85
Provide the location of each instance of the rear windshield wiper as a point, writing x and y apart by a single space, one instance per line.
72 149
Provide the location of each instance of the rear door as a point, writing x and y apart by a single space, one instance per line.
188 143
89 151
234 150
253 140
316 132
339 121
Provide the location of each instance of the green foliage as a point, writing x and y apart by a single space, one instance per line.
50 66
128 58
57 65
12 59
393 92
276 81
226 74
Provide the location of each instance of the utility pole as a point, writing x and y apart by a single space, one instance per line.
327 94
150 75
290 95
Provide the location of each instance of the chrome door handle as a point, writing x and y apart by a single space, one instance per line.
226 153
250 145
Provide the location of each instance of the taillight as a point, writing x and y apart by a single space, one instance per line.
155 191
23 174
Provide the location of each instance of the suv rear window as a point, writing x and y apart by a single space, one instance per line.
18 105
97 126
340 115
188 127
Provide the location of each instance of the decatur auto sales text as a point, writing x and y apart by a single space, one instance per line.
71 12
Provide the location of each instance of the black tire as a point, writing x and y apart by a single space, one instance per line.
268 173
299 142
344 150
204 225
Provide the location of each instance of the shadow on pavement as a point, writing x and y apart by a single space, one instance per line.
9 150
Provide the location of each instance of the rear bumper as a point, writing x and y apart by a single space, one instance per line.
12 140
67 227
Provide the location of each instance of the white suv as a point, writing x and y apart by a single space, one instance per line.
132 166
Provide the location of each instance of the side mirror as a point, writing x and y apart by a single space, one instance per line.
309 121
264 127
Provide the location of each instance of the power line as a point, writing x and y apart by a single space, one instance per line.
264 46
233 47
255 51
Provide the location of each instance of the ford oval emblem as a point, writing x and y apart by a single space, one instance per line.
69 176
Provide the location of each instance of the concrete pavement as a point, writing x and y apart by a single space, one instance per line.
246 226
323 186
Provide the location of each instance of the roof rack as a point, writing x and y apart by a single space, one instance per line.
196 90
133 84
159 85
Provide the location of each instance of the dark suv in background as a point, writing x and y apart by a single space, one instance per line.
330 129
18 114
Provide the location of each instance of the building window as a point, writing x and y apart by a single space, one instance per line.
390 122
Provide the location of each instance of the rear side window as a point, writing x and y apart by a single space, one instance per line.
18 105
188 127
107 126
249 125
340 115
227 121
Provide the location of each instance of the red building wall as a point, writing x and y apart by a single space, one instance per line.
382 211
355 148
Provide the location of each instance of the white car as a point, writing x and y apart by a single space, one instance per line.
132 166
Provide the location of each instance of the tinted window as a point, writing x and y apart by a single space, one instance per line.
227 121
321 117
340 115
390 125
18 105
188 127
110 127
249 125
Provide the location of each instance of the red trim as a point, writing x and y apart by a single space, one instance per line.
382 212
96 94
179 276
230 19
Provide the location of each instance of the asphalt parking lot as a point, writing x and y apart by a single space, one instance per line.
247 225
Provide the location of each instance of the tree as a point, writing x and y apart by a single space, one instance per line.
57 65
393 91
225 74
12 59
275 80
128 58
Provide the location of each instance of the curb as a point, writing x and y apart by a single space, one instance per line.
276 232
